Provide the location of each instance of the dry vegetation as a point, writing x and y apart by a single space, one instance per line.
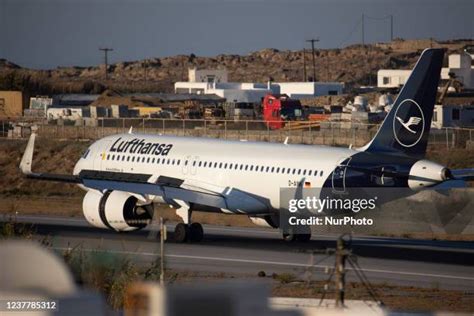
355 64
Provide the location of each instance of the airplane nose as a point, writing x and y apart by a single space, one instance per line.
78 167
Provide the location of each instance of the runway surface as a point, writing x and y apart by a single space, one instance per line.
246 251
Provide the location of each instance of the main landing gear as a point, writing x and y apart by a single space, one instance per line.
301 236
184 232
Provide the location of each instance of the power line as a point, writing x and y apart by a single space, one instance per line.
354 29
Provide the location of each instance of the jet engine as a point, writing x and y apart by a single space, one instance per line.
425 173
116 210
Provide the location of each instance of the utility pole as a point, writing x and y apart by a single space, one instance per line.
341 255
106 53
363 30
305 78
145 66
312 41
162 251
391 27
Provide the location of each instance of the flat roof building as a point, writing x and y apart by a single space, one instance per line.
251 91
458 64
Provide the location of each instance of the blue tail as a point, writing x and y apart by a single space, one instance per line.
406 127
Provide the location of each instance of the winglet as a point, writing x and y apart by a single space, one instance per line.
27 159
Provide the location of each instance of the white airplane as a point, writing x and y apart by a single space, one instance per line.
125 174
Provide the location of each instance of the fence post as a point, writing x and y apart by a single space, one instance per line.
184 131
143 125
205 127
447 139
225 129
246 129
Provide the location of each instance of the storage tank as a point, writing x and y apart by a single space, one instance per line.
360 103
385 99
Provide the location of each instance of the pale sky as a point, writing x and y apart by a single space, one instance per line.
51 33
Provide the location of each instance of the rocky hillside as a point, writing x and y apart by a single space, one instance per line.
354 65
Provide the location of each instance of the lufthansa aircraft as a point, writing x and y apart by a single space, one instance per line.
125 174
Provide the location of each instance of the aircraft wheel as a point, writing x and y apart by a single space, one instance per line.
181 233
196 233
303 237
290 237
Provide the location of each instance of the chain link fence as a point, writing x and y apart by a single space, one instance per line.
303 132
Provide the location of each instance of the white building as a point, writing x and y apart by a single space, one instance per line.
71 113
205 75
459 64
453 116
216 83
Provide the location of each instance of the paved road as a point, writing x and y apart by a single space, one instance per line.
246 251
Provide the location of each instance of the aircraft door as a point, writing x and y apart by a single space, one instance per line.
100 154
339 177
190 165
186 165
194 165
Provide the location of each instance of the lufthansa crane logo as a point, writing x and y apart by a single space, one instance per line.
408 123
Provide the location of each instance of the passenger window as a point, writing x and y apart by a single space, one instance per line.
267 169
321 173
273 169
299 171
304 172
241 166
173 162
205 164
230 166
215 165
309 172
278 170
200 164
246 167
86 153
294 171
153 160
251 167
194 163
178 162
225 166
220 165
185 162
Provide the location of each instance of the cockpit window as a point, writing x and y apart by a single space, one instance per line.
86 153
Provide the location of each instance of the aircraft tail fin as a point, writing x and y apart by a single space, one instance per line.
406 127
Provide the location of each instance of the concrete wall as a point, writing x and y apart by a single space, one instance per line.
207 75
12 103
395 77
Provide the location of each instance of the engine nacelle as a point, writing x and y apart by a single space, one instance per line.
425 173
116 210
